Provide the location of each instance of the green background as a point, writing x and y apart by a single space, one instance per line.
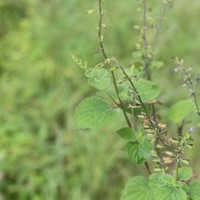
42 154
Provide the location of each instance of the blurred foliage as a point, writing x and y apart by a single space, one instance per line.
42 155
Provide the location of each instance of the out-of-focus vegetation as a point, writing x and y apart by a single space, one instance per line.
42 155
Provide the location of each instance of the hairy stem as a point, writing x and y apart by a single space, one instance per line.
145 45
113 75
143 106
191 86
106 57
159 26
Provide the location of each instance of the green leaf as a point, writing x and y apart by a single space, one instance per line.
157 64
124 92
91 11
185 187
147 90
184 173
180 110
137 56
170 193
195 191
179 184
139 153
137 188
160 179
93 112
99 78
140 137
126 133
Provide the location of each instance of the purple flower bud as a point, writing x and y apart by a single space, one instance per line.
175 69
191 130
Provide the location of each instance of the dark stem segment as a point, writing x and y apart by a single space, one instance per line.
191 86
196 104
143 106
177 167
148 168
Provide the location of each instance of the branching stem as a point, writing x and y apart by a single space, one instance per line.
113 75
106 57
145 45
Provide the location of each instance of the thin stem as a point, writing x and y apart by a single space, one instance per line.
113 100
159 27
154 113
196 104
148 168
176 173
146 62
113 75
142 104
106 57
180 130
191 86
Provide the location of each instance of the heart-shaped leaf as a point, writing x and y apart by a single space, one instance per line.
93 112
139 153
137 188
180 110
99 79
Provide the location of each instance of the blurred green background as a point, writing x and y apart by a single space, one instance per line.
42 155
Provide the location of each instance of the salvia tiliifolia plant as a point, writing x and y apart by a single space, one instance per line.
162 148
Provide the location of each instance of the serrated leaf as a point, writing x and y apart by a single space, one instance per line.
126 133
185 187
170 193
184 173
99 78
195 191
139 153
93 112
137 188
160 179
180 110
147 90
180 184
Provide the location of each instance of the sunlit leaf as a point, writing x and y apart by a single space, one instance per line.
91 11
